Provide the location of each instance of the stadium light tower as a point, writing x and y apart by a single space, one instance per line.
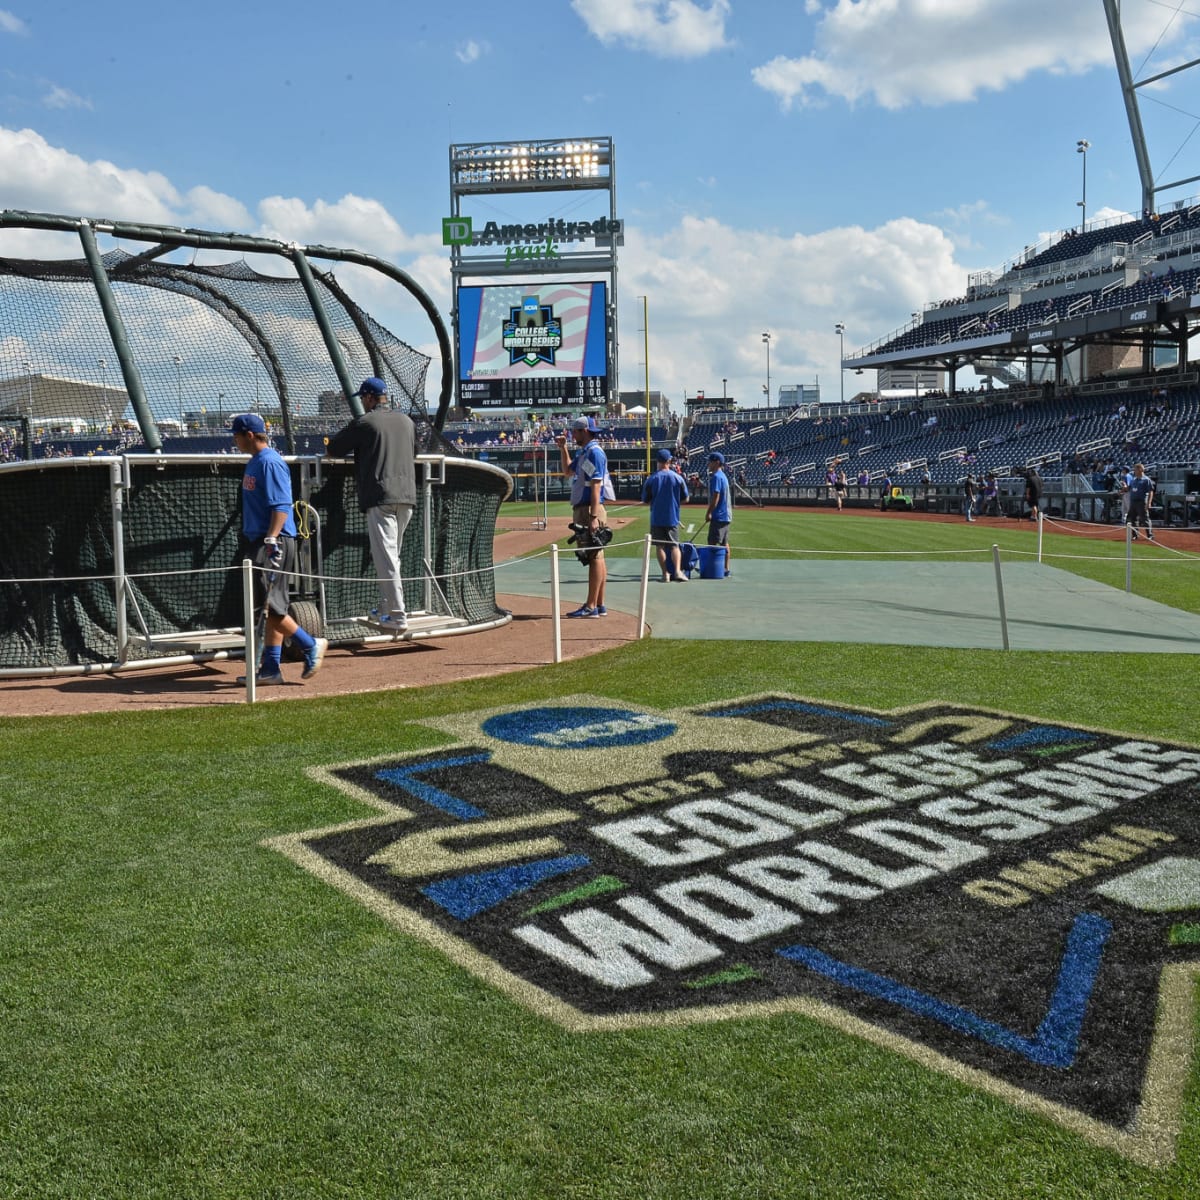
179 387
766 337
840 330
29 385
1082 147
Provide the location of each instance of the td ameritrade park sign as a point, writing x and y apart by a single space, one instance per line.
532 241
1011 900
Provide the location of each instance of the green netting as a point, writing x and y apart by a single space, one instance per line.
208 341
181 524
56 526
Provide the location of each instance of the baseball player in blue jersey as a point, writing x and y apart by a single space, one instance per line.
720 509
590 487
269 531
665 491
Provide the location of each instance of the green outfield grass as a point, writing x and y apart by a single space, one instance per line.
188 1014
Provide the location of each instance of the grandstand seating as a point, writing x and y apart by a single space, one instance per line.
1074 244
995 434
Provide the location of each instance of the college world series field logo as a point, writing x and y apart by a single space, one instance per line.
1013 901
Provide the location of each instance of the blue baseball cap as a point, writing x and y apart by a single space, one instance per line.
248 423
587 423
664 455
717 457
372 387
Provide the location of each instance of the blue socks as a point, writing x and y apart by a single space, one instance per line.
302 639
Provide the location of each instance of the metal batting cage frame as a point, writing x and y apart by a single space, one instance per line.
123 556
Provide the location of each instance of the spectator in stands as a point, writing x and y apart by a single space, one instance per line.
1140 493
665 491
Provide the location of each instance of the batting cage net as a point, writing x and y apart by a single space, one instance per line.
119 560
111 556
208 342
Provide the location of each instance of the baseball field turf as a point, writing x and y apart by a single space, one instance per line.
189 1013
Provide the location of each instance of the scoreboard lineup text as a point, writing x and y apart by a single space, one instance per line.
534 389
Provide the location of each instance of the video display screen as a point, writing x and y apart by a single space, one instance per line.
532 344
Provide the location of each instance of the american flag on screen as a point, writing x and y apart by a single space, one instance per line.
571 305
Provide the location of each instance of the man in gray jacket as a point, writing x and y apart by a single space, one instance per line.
383 443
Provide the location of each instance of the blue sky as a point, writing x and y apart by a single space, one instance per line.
780 166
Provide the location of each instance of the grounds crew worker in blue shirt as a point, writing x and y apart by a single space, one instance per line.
665 491
270 533
720 511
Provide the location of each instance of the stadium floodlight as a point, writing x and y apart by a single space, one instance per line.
515 166
29 385
1082 147
179 387
766 337
840 330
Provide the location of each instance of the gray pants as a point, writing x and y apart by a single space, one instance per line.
386 524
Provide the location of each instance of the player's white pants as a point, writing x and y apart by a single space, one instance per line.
386 524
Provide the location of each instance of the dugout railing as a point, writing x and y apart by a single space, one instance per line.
118 562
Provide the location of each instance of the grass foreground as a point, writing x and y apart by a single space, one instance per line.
187 1014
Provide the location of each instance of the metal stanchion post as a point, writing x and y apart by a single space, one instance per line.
248 625
1128 557
555 602
1039 535
646 552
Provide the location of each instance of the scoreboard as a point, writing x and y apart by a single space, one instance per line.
534 390
532 344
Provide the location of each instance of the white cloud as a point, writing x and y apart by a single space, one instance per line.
209 209
44 178
668 28
61 97
471 51
353 221
713 289
12 24
902 52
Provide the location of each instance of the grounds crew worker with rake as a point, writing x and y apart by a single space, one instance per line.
269 529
